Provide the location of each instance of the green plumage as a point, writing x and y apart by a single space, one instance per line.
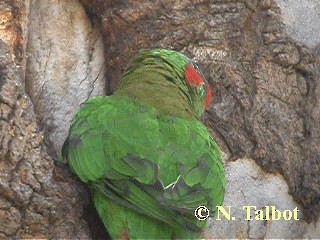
148 159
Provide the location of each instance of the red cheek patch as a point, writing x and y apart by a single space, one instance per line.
193 77
208 99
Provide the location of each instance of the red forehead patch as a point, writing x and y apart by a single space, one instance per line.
208 99
193 77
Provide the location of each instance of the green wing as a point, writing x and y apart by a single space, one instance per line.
157 165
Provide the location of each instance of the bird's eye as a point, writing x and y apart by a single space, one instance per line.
195 66
200 90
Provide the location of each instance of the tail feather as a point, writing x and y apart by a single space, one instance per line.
130 195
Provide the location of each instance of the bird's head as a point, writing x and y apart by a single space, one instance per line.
180 71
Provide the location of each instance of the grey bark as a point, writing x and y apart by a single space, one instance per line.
37 200
65 65
302 20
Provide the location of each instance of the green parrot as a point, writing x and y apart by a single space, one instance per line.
147 157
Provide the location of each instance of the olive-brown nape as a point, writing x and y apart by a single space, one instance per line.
157 77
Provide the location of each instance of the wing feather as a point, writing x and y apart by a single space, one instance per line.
159 165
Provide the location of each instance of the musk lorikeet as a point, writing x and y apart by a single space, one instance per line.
145 154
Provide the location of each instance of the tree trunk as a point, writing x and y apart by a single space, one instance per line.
266 105
37 199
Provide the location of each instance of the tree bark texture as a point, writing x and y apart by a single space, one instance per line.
266 86
37 200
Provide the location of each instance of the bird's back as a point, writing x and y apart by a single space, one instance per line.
142 163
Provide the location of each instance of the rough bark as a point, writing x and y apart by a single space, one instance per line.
37 200
267 93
